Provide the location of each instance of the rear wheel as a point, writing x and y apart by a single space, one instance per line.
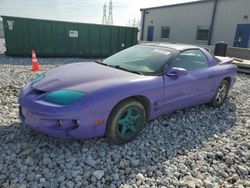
221 94
126 121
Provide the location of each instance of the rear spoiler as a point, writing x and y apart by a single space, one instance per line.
223 60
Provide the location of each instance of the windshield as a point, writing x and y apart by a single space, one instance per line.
141 59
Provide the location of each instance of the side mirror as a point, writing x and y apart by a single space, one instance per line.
175 71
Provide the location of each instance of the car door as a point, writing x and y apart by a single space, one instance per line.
191 89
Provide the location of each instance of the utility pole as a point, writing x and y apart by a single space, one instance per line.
104 18
110 17
134 22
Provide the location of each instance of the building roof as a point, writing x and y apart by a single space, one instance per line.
175 46
174 5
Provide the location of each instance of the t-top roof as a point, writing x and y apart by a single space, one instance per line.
179 47
174 5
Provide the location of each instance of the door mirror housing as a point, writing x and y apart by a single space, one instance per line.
175 71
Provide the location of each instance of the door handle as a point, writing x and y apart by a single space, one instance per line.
211 76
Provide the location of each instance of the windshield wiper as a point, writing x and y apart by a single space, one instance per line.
121 68
117 67
101 62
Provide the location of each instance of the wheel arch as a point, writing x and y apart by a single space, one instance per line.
212 102
228 79
144 101
140 98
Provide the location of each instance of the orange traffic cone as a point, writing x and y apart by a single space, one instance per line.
35 65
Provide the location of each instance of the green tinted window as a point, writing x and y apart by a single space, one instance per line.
144 59
190 60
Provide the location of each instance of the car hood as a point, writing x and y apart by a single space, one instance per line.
83 76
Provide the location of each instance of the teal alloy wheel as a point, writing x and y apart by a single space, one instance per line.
126 121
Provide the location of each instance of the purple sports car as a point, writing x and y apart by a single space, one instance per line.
116 96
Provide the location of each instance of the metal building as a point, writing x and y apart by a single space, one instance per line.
202 22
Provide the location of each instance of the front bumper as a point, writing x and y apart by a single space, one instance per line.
62 125
74 121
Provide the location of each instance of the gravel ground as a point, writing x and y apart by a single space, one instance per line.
195 147
2 45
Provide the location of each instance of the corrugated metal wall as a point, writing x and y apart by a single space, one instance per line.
184 20
58 38
1 30
229 13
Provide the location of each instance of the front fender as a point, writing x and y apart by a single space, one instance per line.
103 100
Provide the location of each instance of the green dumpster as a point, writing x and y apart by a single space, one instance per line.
56 38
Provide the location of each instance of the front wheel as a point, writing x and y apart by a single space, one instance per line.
221 94
126 121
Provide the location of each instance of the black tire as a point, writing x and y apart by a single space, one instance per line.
220 94
129 127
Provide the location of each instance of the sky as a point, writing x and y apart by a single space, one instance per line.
87 11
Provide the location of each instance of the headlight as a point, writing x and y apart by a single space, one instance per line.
64 96
38 78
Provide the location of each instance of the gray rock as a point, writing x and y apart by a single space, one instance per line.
22 186
78 178
116 177
219 153
139 177
134 162
61 179
21 178
243 170
46 184
41 180
229 160
198 182
70 184
26 152
98 174
46 161
190 184
126 186
91 162
75 173
240 186
208 184
30 177
29 161
38 176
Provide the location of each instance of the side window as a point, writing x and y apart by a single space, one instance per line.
165 31
191 60
202 33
